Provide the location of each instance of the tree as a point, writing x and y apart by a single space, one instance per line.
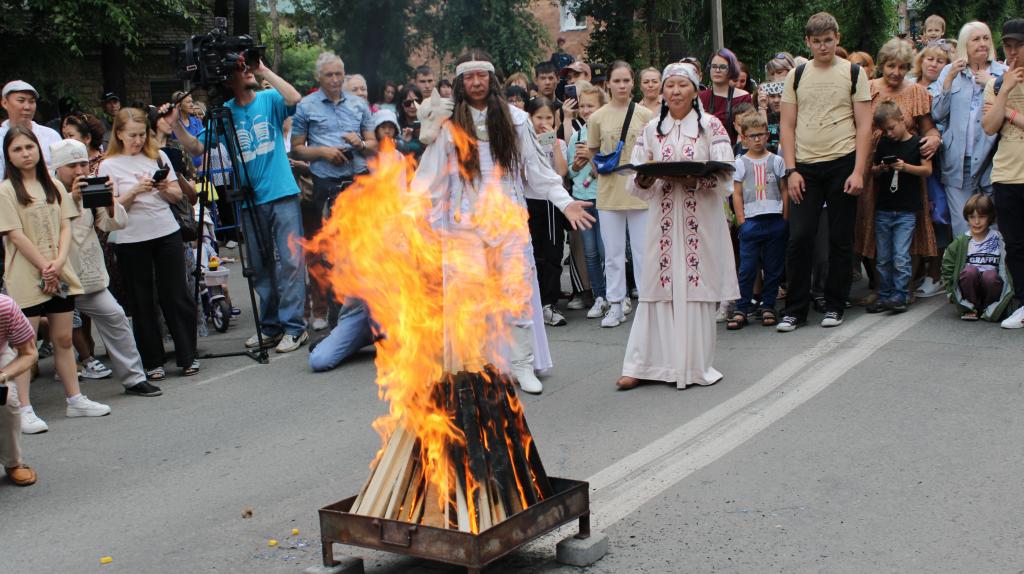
506 29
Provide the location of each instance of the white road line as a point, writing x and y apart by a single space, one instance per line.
623 487
234 372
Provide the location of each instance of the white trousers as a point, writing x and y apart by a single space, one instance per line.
613 234
116 333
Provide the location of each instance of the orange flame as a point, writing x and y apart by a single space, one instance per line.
444 298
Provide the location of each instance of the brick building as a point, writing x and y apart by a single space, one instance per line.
559 21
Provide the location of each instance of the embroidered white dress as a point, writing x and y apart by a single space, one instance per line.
438 171
688 259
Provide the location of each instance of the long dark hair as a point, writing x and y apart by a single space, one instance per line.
500 130
400 97
14 174
87 125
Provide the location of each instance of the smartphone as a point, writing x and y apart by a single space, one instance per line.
890 159
3 395
161 174
96 193
347 153
570 92
547 139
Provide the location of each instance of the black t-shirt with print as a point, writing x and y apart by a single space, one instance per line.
907 196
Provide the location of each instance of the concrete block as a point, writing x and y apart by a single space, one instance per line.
582 551
344 566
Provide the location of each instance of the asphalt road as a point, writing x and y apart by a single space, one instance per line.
889 444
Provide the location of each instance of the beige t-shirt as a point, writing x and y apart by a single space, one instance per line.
1008 163
603 130
825 129
40 222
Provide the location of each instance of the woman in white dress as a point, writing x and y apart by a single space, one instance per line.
504 149
688 263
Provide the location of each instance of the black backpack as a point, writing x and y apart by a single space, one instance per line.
854 76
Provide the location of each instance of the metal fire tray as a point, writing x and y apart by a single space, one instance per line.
474 551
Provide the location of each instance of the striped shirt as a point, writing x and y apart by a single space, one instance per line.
14 326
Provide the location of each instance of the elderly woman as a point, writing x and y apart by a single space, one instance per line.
894 61
688 265
929 64
356 84
966 148
722 98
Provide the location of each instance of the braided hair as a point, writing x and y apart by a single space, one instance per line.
664 113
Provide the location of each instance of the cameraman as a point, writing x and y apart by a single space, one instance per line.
333 131
15 359
259 120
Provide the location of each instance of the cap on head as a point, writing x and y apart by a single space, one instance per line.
19 86
1013 29
578 67
67 152
108 96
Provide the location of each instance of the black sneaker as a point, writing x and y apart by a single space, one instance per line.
144 389
788 324
898 308
832 319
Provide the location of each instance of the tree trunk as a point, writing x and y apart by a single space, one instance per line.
275 34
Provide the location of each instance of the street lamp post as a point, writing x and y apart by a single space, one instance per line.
717 35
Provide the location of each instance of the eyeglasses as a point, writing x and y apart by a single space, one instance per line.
409 103
756 136
721 67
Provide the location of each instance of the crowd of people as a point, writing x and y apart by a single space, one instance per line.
906 168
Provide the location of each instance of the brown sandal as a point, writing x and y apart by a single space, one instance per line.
626 383
768 318
736 322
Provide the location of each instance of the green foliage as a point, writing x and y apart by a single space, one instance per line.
298 66
506 29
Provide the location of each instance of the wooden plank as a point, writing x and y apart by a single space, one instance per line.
401 485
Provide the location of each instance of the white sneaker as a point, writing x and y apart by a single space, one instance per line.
721 314
929 288
576 303
627 306
268 341
94 369
614 317
289 343
231 244
32 424
1015 321
319 323
84 407
601 306
553 317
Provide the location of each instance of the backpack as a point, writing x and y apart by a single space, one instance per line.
854 76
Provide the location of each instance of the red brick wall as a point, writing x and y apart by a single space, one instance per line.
548 11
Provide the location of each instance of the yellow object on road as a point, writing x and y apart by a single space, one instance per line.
272 542
106 560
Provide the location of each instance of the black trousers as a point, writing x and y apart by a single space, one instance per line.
824 183
547 232
164 259
1009 199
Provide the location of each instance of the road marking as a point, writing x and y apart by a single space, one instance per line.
234 372
623 487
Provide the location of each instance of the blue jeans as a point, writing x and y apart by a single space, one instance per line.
894 230
762 245
280 281
593 251
353 332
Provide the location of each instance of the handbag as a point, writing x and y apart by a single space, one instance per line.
605 163
182 210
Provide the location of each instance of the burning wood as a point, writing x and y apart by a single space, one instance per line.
495 469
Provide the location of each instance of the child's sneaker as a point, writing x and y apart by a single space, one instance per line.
1015 321
788 324
832 319
94 369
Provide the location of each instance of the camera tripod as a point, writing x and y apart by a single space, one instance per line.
219 128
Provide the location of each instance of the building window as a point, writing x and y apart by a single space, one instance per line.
567 17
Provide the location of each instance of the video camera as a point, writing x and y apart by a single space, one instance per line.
209 60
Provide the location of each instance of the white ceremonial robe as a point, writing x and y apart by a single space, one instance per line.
438 171
688 257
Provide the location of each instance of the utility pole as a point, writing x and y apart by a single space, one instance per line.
717 34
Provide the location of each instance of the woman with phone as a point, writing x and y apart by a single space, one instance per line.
35 220
408 123
614 129
146 184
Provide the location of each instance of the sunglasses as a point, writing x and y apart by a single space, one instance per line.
410 103
940 43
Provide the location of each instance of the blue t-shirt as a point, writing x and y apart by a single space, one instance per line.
324 122
261 137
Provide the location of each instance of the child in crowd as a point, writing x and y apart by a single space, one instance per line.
584 187
547 225
385 127
974 265
772 92
899 171
760 205
934 28
740 112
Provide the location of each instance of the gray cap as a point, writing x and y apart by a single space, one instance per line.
19 86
